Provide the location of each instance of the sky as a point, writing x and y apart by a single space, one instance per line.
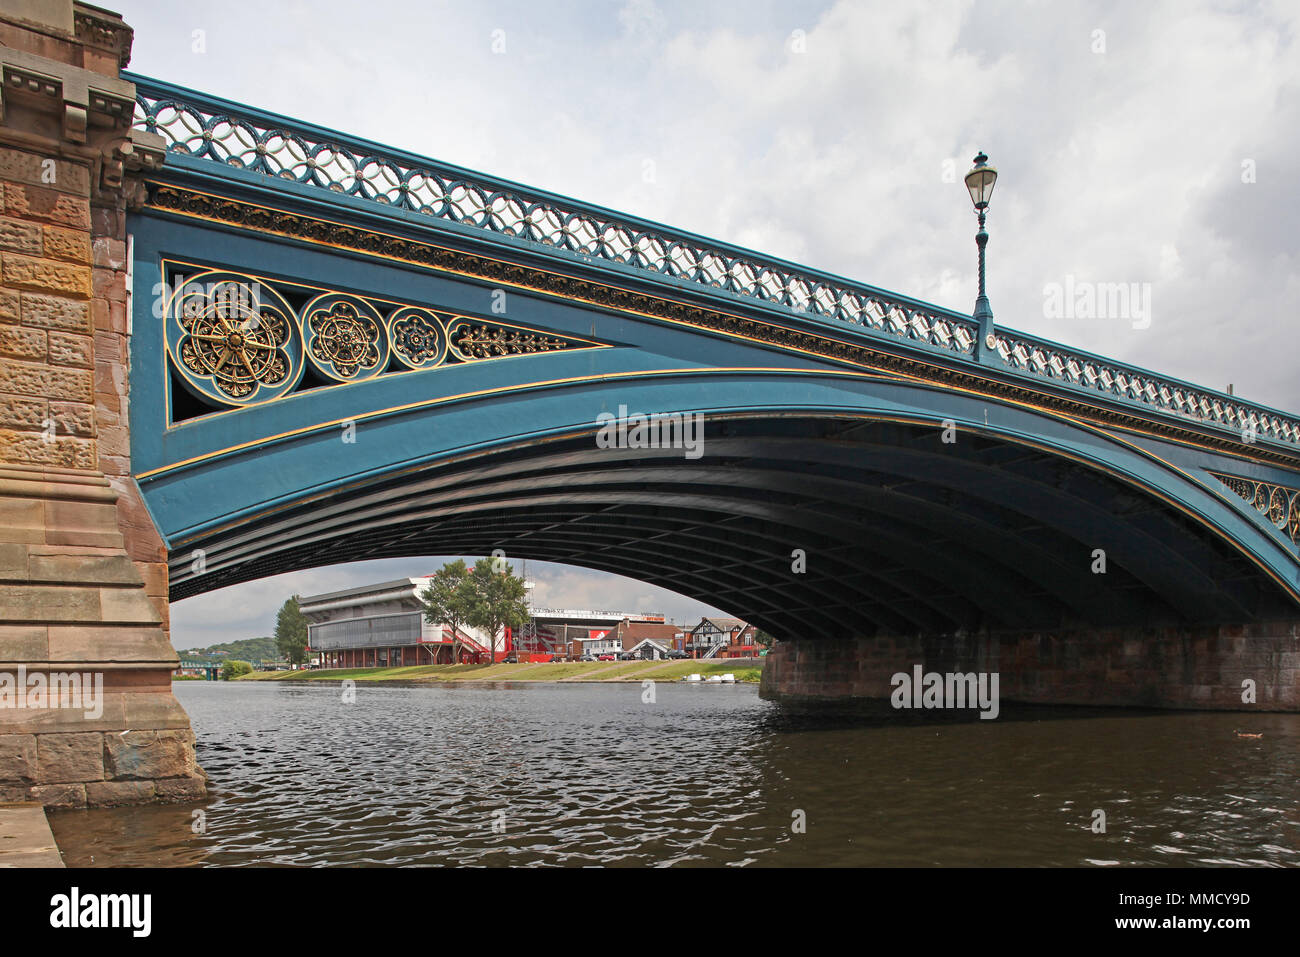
1149 143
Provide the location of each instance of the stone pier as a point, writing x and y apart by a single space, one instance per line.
83 575
1193 668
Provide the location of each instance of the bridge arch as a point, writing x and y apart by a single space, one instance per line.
903 531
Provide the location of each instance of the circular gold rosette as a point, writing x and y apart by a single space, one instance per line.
233 339
344 337
419 339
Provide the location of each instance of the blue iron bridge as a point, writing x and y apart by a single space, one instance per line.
342 351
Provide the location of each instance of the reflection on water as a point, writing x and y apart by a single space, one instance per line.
588 774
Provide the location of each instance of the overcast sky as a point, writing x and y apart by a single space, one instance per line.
1149 143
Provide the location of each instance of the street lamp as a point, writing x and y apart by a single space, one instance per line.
979 182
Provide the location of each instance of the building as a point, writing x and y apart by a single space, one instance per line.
722 638
648 639
382 625
575 632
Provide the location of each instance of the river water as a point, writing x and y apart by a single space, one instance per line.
581 774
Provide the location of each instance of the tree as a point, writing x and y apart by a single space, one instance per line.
291 632
500 599
447 600
234 669
763 638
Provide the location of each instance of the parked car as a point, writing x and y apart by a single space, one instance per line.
604 657
629 656
587 658
676 655
510 660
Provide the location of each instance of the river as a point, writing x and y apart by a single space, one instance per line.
581 774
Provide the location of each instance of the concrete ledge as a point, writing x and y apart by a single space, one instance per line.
25 837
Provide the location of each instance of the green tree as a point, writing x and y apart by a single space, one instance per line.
763 638
500 599
291 632
234 669
447 600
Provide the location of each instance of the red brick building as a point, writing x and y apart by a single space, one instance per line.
722 638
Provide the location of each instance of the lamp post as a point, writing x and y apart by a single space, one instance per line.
979 182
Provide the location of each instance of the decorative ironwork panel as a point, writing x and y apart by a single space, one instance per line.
345 337
236 339
471 339
233 340
419 338
1279 504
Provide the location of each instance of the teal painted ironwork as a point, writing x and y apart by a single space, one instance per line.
240 137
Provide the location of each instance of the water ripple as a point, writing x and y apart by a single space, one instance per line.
578 775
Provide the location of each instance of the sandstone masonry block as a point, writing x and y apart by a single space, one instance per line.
110 252
24 201
71 350
18 763
112 793
9 302
20 237
55 312
20 643
46 275
28 378
109 346
109 284
139 755
70 244
68 758
115 440
73 418
21 343
31 448
36 169
192 788
60 795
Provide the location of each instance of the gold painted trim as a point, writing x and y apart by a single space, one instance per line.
520 387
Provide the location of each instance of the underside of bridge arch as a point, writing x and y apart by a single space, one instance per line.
807 526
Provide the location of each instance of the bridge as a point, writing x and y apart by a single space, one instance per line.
236 344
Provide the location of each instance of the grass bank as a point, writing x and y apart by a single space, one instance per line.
746 670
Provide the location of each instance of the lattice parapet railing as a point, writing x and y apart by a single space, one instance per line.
241 137
1046 359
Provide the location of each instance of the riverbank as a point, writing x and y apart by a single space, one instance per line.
747 670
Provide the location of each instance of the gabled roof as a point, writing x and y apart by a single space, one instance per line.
724 624
647 641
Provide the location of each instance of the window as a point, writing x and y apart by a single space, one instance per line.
385 630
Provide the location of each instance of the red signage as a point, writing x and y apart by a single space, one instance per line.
595 635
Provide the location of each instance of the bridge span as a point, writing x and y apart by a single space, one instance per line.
236 344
